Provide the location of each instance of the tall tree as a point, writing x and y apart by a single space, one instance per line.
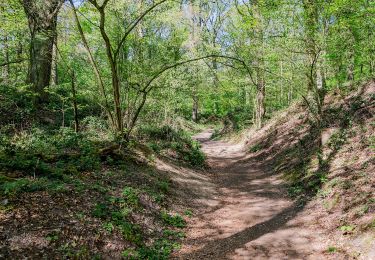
42 19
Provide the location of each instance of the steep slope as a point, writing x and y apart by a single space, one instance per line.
342 191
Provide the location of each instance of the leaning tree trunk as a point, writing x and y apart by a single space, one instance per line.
42 19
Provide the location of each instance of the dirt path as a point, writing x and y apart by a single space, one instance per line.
252 217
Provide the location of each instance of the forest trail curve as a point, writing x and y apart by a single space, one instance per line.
252 218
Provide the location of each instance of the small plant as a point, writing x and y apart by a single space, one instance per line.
173 234
163 186
175 221
161 249
158 197
130 254
101 210
332 249
131 196
337 140
80 215
188 213
99 188
347 228
255 148
295 190
130 232
109 227
363 210
52 237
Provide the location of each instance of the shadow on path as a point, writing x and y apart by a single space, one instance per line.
219 248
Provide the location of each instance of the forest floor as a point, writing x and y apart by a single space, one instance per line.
249 215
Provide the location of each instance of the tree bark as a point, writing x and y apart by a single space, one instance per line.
260 97
195 112
259 67
6 68
216 85
113 65
54 77
311 34
75 106
42 20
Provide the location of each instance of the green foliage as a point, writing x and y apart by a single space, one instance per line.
44 153
52 237
163 186
14 187
173 220
332 249
188 213
295 190
164 138
347 228
116 215
337 140
70 250
131 196
161 249
255 148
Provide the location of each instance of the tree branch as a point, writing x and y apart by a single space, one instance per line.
12 62
135 23
159 73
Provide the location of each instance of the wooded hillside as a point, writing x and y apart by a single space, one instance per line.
101 102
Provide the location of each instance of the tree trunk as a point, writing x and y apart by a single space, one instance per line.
42 19
54 78
216 86
311 33
74 101
6 68
259 67
40 63
260 107
195 111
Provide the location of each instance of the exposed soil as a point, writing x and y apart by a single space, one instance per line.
252 217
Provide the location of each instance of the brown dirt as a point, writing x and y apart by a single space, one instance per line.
252 217
247 213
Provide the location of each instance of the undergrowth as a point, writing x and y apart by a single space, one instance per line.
164 139
62 161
